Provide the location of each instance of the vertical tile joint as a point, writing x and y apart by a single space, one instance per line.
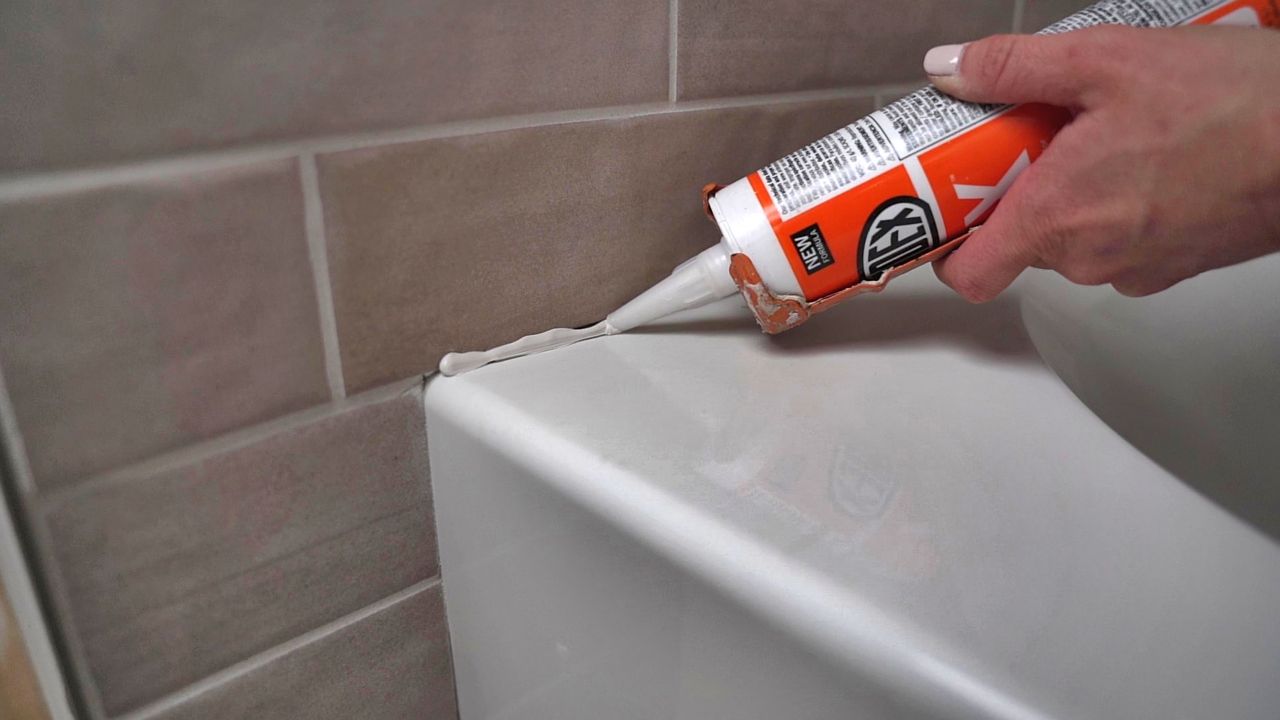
673 48
1019 9
320 272
11 438
20 572
174 701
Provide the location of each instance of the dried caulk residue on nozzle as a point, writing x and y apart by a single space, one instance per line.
456 363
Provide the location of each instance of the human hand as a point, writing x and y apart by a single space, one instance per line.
1171 166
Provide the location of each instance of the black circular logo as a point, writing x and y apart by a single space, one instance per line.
899 231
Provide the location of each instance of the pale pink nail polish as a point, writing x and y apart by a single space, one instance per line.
943 60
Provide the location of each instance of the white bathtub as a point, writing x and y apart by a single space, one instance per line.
898 510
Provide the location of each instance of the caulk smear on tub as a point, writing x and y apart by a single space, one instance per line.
456 363
702 279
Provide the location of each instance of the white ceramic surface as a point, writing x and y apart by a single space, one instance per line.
897 510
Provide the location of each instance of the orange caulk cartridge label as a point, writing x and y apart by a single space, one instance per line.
906 184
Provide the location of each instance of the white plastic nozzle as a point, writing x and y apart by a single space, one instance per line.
702 279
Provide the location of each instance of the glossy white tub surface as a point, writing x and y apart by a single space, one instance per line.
897 510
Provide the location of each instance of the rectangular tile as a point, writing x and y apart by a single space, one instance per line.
464 242
140 317
96 82
175 575
1040 14
758 46
392 665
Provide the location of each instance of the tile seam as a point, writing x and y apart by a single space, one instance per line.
77 683
673 49
882 97
24 185
233 440
262 659
61 613
13 442
1019 11
318 250
283 557
21 578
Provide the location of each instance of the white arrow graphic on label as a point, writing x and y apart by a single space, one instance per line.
990 195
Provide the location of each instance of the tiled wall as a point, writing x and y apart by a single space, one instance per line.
1041 13
233 234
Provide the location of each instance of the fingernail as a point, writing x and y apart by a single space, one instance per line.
943 60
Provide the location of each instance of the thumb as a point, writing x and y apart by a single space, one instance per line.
1016 69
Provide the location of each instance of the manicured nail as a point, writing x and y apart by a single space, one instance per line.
943 60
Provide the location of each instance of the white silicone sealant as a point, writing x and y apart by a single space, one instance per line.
702 279
457 363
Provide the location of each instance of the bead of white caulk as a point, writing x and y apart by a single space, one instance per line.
458 363
701 279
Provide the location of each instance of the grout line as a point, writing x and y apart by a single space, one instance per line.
170 601
20 578
320 271
22 185
234 440
882 97
673 49
1019 9
56 651
75 664
33 633
229 674
14 445
906 88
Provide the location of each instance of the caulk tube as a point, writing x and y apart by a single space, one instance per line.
706 277
877 198
902 186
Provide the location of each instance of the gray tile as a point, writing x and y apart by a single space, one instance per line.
95 82
460 243
891 97
1040 14
175 575
759 46
392 665
140 317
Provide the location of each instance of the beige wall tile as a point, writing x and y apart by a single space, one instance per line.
891 97
757 46
95 82
392 665
460 243
143 316
174 575
1039 14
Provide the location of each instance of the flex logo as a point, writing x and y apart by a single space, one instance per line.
899 231
812 248
989 195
